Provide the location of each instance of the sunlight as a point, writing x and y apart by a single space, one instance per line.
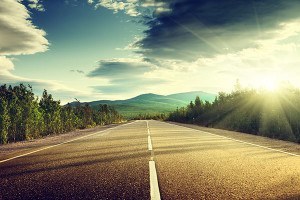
268 83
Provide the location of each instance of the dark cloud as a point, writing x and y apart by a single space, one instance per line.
118 69
125 75
119 86
77 71
196 28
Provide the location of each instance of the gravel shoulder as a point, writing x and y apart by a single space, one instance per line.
290 147
14 149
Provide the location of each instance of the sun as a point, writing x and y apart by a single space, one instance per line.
268 83
265 82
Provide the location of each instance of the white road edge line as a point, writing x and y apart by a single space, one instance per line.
241 141
154 189
281 151
149 143
48 147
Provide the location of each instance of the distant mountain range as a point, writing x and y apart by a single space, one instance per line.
152 103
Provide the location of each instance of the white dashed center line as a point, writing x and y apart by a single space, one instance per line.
149 143
154 189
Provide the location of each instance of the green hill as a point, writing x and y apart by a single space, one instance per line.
152 103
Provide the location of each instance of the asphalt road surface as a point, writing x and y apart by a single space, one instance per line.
151 160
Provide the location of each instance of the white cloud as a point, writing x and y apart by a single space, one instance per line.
59 90
19 36
116 6
90 1
157 6
276 58
36 4
17 33
5 64
133 7
131 46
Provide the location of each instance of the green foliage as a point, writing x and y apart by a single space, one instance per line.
4 121
265 113
24 117
161 116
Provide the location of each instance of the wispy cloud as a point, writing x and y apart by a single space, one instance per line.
134 8
90 1
36 4
59 90
129 86
129 6
125 76
77 71
131 46
118 68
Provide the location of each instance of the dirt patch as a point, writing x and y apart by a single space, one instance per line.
259 140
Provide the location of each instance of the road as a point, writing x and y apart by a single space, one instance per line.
151 160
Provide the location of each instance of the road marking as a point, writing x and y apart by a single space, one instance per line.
281 151
149 143
241 141
154 189
48 147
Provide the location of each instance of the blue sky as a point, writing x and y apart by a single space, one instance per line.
106 49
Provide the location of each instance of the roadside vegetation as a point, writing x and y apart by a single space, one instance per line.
274 114
23 116
160 117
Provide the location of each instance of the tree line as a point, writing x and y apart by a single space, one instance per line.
23 116
147 116
258 112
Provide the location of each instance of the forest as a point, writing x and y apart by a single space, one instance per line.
23 116
274 114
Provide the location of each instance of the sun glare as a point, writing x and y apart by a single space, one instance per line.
269 84
266 83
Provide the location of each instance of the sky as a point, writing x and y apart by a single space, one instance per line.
117 49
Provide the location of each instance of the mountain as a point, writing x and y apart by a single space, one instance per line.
188 96
153 103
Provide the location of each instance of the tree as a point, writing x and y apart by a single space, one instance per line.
4 121
197 102
51 113
25 117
